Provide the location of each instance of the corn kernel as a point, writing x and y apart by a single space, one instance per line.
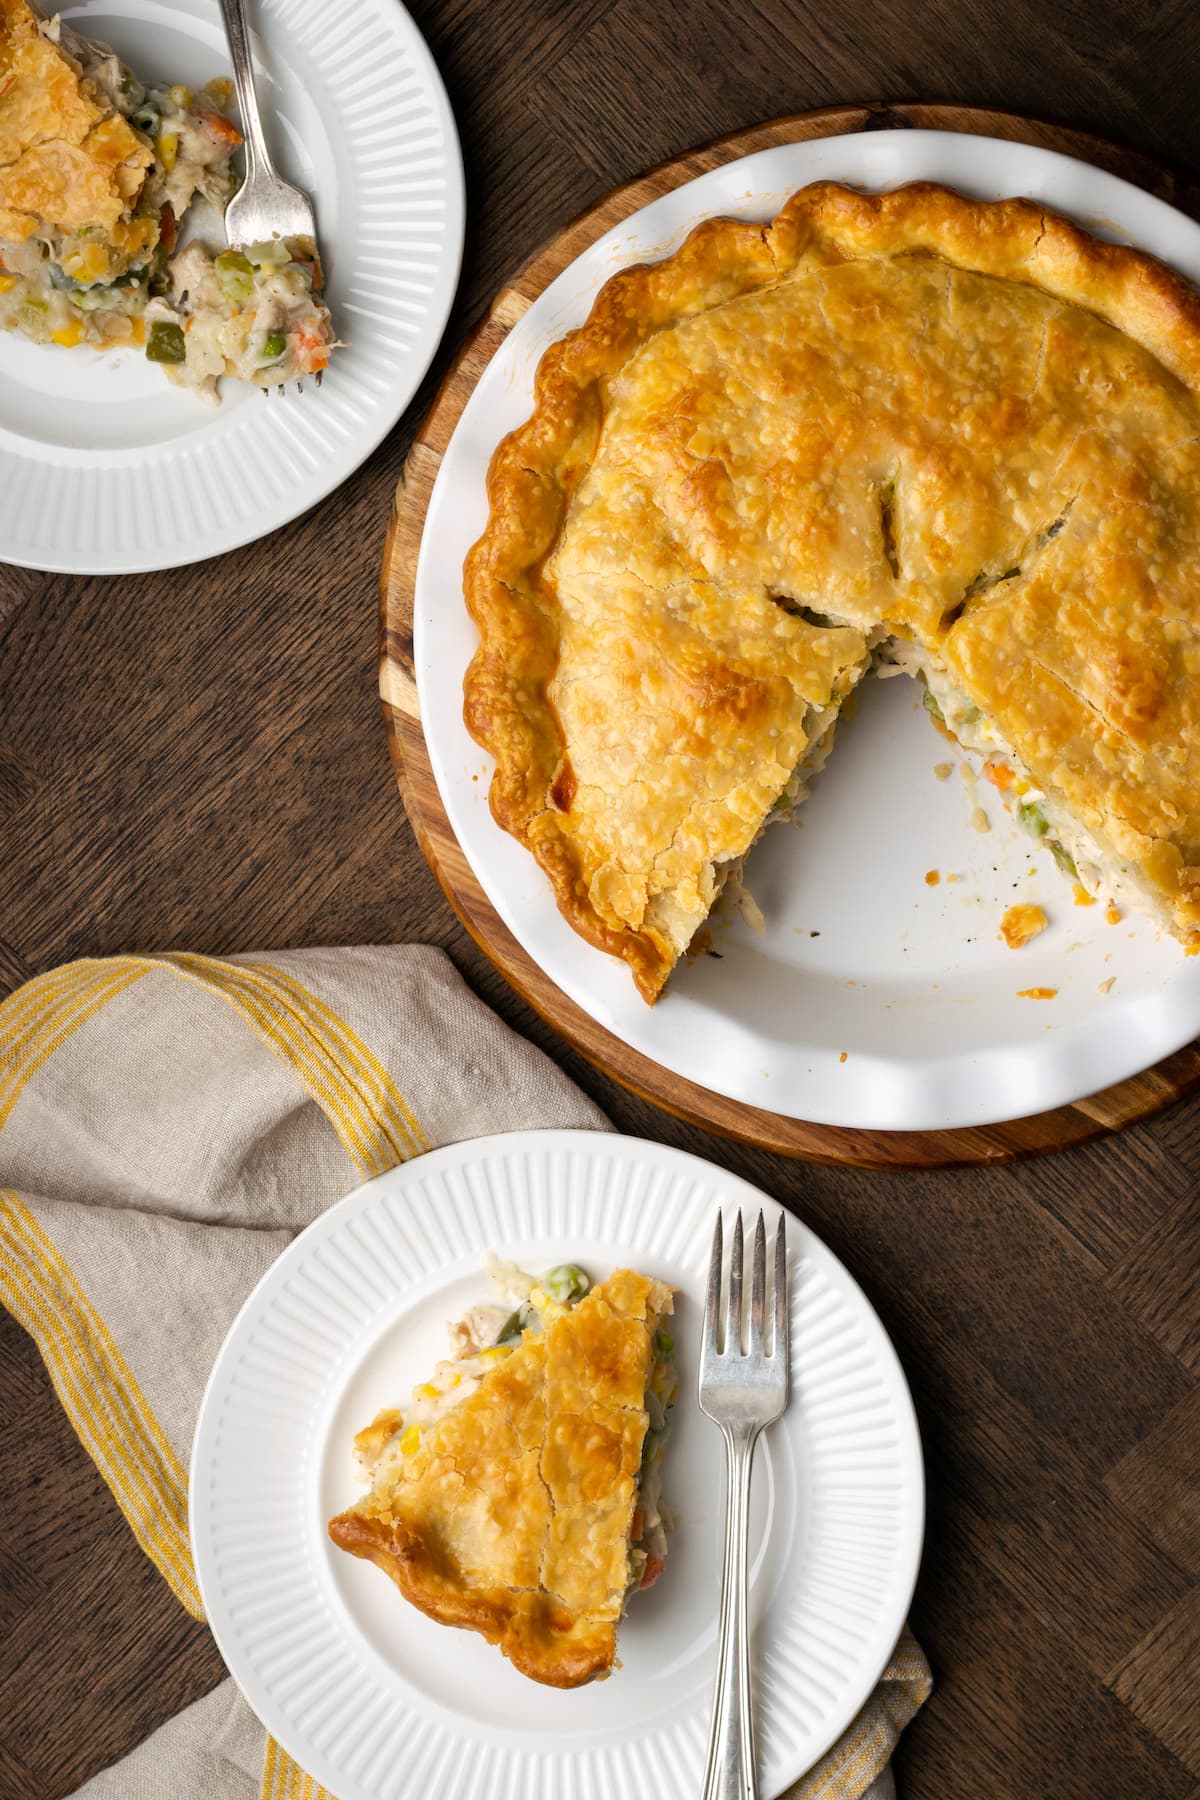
6 282
180 96
69 335
497 1353
1022 785
88 263
410 1441
454 1381
539 1297
428 1390
168 149
139 330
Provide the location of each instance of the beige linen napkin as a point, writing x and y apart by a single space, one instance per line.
167 1125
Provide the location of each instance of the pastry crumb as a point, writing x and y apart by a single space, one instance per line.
843 1056
943 771
1038 993
932 878
1105 987
1112 914
1021 924
1082 897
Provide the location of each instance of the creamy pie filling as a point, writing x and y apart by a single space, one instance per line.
255 315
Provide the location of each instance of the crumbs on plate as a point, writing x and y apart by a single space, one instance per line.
1021 924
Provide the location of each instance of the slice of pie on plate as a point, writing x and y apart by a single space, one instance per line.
908 430
520 1494
99 176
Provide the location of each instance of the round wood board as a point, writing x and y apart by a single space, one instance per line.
1130 1100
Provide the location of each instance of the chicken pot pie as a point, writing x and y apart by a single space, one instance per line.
520 1495
97 173
909 429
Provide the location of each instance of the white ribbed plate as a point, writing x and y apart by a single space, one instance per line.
871 999
104 466
379 1703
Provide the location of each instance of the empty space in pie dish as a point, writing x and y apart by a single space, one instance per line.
907 1010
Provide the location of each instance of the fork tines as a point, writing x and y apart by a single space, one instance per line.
729 1342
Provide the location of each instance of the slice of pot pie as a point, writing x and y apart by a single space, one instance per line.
520 1494
97 173
913 429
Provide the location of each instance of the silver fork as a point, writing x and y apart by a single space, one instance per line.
741 1391
265 206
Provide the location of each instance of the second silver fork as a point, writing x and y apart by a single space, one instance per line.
741 1390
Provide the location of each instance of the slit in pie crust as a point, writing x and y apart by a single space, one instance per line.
959 435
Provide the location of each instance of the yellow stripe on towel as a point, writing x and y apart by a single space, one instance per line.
344 1077
284 1779
864 1750
100 1395
39 1018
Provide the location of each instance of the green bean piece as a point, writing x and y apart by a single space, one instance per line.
1063 858
567 1283
513 1328
166 342
235 275
931 706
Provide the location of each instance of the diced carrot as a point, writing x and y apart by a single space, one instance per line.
312 353
999 774
218 126
654 1568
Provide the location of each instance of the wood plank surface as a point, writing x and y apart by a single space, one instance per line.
196 760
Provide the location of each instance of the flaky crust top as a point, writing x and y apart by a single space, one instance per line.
68 161
968 422
513 1516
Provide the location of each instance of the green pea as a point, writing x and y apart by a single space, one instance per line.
1032 819
567 1283
664 1343
166 343
274 345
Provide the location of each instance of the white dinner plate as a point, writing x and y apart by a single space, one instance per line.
872 999
376 1701
104 466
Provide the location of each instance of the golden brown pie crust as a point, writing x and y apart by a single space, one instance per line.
68 161
969 423
513 1516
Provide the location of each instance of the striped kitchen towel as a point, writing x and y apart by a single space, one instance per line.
167 1125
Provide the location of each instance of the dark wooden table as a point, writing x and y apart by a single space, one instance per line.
197 760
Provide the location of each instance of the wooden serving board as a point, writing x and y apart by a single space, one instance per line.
1130 1100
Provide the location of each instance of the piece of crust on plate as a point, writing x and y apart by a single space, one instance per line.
519 1510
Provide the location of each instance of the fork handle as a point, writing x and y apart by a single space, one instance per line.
258 157
730 1773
